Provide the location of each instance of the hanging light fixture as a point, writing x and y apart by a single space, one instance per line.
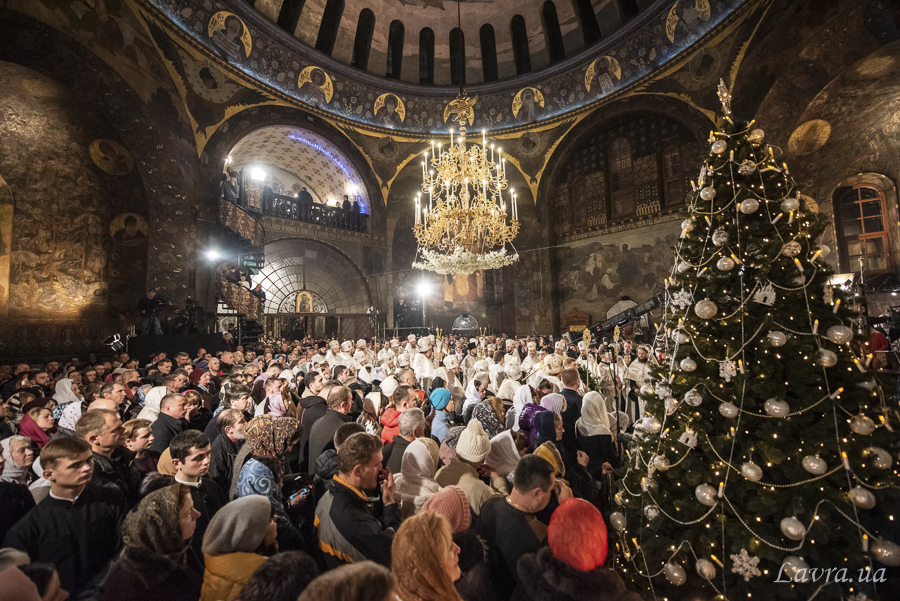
465 215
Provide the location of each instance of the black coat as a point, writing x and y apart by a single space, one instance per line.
139 575
542 577
311 409
208 499
570 416
221 460
118 471
321 438
392 455
164 430
15 502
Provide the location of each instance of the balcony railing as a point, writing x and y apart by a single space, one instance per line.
288 207
241 222
240 299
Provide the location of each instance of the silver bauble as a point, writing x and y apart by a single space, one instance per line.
706 569
861 424
751 471
693 398
651 511
720 236
646 389
728 410
719 146
688 364
826 358
792 565
725 264
708 193
793 528
749 206
706 494
814 464
777 408
747 167
777 338
682 337
683 266
671 406
661 463
756 135
886 552
839 334
706 309
791 249
825 250
675 574
790 204
652 425
862 497
687 225
882 459
617 519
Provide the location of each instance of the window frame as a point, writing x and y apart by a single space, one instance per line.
884 234
664 182
611 194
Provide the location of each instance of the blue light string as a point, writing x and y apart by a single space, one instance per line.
336 160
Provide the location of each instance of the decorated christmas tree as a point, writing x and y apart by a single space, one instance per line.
768 447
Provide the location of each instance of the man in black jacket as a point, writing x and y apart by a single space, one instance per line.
76 528
570 381
349 524
312 407
321 438
169 422
225 447
103 430
412 426
190 451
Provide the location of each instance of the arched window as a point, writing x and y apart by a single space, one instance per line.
673 176
552 32
588 21
629 8
862 229
362 43
328 29
426 56
395 50
521 55
488 53
289 15
621 178
457 58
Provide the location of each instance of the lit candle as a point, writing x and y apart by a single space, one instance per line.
859 365
741 366
845 460
721 489
815 329
797 263
869 359
777 217
865 543
731 156
837 305
815 256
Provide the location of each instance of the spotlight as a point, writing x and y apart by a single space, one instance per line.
115 343
423 288
212 254
258 175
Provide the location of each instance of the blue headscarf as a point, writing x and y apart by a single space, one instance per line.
545 426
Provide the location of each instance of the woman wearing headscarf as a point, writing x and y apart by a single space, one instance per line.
66 392
443 414
19 459
425 560
504 455
415 483
595 437
475 392
523 397
38 426
151 403
157 562
527 421
259 470
571 466
554 402
447 450
492 415
238 540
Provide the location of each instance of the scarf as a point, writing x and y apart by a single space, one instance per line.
152 533
522 398
70 415
545 426
504 455
417 554
553 402
472 396
418 464
64 394
548 452
277 406
594 419
448 445
535 379
28 427
151 403
12 471
269 435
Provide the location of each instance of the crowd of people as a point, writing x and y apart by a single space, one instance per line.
456 468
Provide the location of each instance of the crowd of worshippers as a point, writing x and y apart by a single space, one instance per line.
476 469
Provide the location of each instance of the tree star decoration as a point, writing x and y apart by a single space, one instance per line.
745 565
724 98
727 369
681 299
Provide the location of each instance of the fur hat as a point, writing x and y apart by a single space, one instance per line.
474 443
451 503
451 362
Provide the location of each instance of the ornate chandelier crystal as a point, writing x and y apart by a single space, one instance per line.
463 218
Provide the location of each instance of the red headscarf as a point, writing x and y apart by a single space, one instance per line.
28 427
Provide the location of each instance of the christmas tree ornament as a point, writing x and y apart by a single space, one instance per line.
793 528
646 389
745 566
839 334
708 193
749 206
886 552
728 369
693 398
706 309
880 458
661 463
683 266
791 249
619 498
728 410
790 204
747 167
719 146
862 425
671 406
688 364
861 497
681 299
792 566
705 569
662 390
617 519
765 295
825 250
826 358
777 338
706 494
649 485
651 511
720 236
776 408
652 425
751 471
725 264
681 337
687 226
688 439
756 135
868 384
675 574
814 465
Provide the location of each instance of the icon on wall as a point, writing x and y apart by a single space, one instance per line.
605 72
128 229
527 105
111 157
230 36
389 110
321 86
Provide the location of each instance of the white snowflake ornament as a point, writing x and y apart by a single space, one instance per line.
791 249
662 390
745 566
720 236
727 369
681 299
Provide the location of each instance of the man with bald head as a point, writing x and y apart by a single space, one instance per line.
170 421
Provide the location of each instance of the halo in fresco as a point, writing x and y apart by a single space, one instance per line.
111 157
128 229
528 101
389 109
606 71
809 137
319 81
231 36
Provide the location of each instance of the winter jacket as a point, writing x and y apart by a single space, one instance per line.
466 477
226 575
392 454
542 577
311 409
321 438
390 419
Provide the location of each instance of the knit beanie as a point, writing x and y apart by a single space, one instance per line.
239 527
451 502
440 398
448 445
474 443
388 386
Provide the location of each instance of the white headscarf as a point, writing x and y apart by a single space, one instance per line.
70 415
522 399
64 394
594 419
472 395
418 463
504 455
12 471
151 403
537 377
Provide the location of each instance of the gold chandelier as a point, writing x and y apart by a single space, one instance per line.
464 220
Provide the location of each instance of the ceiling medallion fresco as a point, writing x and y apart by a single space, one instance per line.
235 33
